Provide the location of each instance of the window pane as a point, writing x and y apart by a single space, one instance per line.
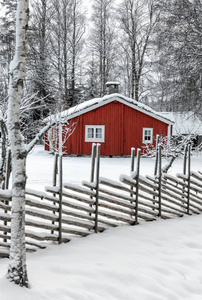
90 133
98 133
147 135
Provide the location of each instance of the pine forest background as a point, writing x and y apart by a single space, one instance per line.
151 47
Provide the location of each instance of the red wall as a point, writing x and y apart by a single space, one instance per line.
123 129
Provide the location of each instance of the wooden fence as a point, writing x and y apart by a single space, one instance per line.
69 210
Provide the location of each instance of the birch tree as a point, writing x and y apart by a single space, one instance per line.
17 270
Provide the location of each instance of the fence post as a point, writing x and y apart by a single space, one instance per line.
132 165
97 187
137 185
185 160
159 171
189 177
55 169
156 157
6 182
55 172
93 162
60 200
8 169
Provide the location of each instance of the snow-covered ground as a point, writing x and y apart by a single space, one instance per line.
156 260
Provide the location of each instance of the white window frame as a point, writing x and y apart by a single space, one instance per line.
144 135
94 139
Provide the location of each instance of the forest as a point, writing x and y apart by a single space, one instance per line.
151 47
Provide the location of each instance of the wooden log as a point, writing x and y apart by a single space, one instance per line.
78 215
196 199
75 232
5 237
116 201
4 244
5 195
116 217
145 217
4 253
73 196
40 237
169 185
152 185
78 207
166 196
115 185
42 215
197 175
79 189
108 224
196 186
173 197
41 195
141 186
116 208
122 203
5 206
37 204
170 212
40 225
5 217
37 245
111 193
75 222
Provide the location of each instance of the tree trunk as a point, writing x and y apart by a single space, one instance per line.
17 271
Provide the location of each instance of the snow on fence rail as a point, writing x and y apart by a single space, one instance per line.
63 212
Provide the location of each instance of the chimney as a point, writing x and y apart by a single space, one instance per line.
112 87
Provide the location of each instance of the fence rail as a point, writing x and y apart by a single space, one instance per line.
63 212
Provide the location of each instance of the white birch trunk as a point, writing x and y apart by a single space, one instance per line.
17 271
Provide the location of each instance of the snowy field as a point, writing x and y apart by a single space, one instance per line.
155 260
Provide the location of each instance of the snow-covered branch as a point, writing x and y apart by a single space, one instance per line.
40 134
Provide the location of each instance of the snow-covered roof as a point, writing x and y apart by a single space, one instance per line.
98 102
185 123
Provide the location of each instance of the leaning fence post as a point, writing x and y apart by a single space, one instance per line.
156 157
8 169
184 172
93 162
189 177
60 200
185 160
55 172
97 187
6 183
132 165
93 155
55 169
159 171
137 185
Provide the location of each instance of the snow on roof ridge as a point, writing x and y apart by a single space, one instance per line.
116 96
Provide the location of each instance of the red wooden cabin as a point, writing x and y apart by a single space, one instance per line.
115 121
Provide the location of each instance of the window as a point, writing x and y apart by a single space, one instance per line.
147 135
95 133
